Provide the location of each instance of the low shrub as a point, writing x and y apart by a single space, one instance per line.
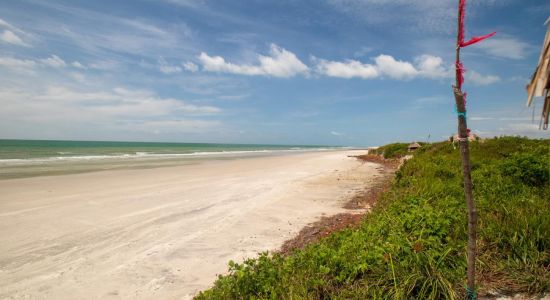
413 243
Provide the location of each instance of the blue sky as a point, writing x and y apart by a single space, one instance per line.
331 72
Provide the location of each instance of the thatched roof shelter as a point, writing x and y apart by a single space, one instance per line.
414 146
540 82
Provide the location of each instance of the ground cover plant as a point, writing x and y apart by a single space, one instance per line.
413 244
394 150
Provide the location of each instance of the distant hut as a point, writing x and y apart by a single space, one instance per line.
540 82
414 146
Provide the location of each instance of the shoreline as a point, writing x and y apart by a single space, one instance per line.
52 166
163 232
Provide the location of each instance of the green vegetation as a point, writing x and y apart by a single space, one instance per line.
394 150
413 244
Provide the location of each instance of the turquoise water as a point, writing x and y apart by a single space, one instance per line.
26 158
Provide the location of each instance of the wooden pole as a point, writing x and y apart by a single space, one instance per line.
466 169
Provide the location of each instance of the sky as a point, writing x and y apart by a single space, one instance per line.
320 72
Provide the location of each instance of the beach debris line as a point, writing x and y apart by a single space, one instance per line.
460 99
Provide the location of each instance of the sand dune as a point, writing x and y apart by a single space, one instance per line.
160 233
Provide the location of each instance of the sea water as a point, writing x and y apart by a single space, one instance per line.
27 158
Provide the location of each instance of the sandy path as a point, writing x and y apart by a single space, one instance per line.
160 233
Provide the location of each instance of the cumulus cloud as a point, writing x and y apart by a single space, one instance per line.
9 37
427 66
432 67
505 47
395 68
347 69
386 66
280 63
54 61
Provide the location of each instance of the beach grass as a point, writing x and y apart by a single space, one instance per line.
393 150
413 243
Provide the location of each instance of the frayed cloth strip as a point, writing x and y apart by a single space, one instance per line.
461 28
460 70
476 39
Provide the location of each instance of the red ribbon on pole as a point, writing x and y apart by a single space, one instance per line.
460 73
461 43
475 39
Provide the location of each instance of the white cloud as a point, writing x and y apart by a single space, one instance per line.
479 79
280 63
505 47
78 65
166 68
102 34
347 69
63 112
17 64
26 65
336 133
5 24
427 66
191 67
9 37
54 61
56 104
387 65
432 67
124 102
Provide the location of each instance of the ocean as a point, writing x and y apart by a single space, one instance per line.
28 158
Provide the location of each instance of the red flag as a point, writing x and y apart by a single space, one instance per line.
476 39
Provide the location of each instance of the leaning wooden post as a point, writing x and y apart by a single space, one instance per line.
463 132
466 169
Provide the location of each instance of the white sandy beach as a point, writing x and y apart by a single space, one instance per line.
161 233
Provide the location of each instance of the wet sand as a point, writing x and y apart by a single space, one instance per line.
161 233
